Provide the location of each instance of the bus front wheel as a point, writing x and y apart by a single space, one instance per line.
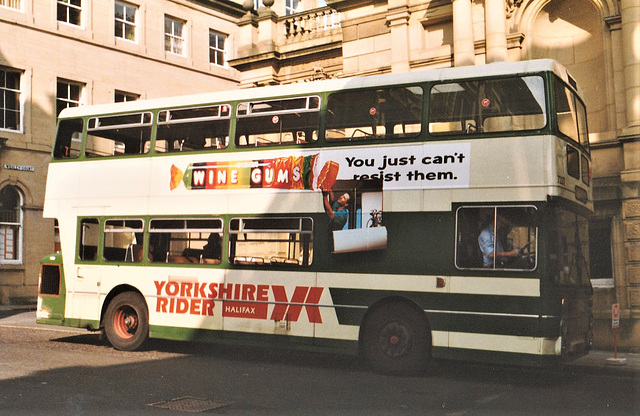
396 339
126 322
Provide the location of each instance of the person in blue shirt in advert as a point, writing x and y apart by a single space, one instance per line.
336 209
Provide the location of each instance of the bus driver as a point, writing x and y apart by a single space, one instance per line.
487 246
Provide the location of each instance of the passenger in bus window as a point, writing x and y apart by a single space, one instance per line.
212 251
336 209
491 247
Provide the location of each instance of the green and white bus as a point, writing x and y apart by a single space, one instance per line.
403 216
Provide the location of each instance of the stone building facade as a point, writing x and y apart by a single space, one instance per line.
267 42
55 54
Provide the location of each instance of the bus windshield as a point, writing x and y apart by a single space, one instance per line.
488 106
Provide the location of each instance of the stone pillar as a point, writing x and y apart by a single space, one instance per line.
495 29
630 13
247 34
630 139
267 29
398 21
463 49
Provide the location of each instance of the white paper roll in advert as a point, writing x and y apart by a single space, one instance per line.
359 239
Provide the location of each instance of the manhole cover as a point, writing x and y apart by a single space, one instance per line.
190 404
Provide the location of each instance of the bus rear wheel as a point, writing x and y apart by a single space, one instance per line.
126 322
396 339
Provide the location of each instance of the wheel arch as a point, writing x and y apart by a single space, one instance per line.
412 305
115 292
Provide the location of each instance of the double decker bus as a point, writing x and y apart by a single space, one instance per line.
402 217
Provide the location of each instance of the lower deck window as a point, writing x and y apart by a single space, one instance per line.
194 240
496 238
260 241
123 240
89 238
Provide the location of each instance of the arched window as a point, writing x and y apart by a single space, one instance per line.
11 218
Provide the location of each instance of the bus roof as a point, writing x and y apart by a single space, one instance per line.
316 87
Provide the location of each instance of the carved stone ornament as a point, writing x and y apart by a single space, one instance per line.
511 6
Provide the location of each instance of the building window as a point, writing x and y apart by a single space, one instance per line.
125 20
291 6
9 99
68 94
70 11
600 252
174 35
123 96
10 225
217 48
12 4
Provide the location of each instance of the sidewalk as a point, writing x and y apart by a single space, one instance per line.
627 363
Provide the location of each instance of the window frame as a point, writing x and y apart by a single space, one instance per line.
18 97
68 101
17 227
187 230
124 22
365 114
7 4
127 96
166 120
480 110
103 124
601 231
68 7
291 7
90 256
172 41
249 110
122 226
460 242
216 50
68 142
303 231
575 132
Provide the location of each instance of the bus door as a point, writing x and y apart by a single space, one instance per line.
85 288
267 289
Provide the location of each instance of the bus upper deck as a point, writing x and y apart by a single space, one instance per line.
432 130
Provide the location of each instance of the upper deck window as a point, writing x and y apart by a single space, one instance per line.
384 113
126 134
571 114
278 122
198 128
68 139
488 106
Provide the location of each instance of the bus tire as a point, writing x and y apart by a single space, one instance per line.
126 322
396 339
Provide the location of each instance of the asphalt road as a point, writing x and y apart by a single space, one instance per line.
57 371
